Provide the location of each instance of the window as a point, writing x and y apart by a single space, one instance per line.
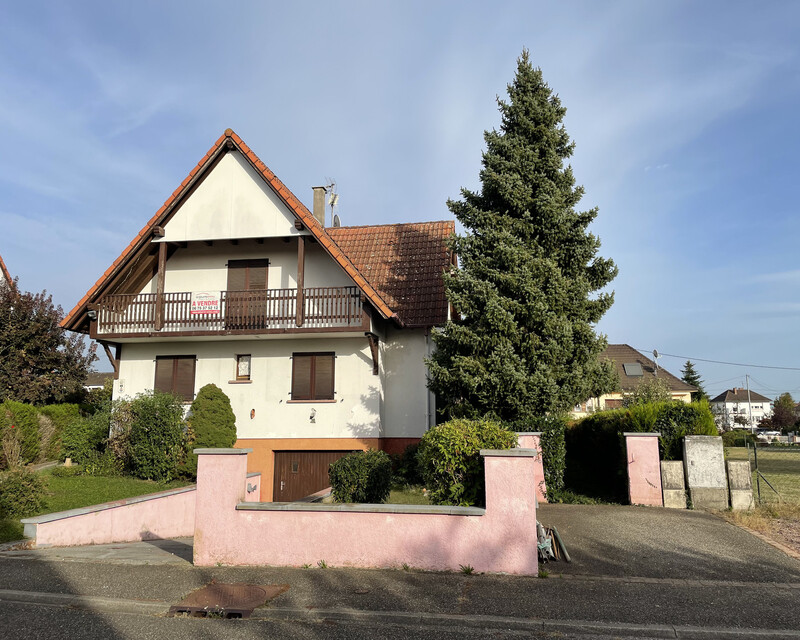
247 275
312 376
175 374
243 367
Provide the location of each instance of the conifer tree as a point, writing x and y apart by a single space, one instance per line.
692 377
528 290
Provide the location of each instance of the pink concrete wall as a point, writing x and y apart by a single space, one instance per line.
532 440
644 469
166 514
503 539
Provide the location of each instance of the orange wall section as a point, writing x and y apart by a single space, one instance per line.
262 459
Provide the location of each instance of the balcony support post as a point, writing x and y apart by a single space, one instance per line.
162 268
301 267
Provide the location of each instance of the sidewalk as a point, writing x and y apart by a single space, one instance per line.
636 572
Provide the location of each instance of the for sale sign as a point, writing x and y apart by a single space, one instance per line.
205 302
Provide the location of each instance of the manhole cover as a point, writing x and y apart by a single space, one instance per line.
227 600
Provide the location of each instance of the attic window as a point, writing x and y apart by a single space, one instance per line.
633 369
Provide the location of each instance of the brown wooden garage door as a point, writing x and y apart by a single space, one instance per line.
301 473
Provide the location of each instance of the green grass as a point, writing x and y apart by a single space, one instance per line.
83 491
780 466
407 495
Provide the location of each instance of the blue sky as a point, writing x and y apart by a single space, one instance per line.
685 117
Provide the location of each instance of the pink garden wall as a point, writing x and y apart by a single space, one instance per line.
533 440
499 538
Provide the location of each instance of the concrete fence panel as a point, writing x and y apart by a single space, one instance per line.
705 472
644 469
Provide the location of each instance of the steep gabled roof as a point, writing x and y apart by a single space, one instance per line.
622 354
404 262
4 272
737 394
140 244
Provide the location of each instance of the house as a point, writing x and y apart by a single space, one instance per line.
5 276
97 380
317 334
633 368
739 408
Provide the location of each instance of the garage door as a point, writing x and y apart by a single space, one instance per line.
301 473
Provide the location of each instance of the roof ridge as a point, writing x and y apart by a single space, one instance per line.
390 224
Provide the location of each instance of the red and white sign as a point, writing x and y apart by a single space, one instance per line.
205 302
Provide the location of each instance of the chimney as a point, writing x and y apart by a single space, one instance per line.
319 204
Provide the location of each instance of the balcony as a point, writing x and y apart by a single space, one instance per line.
185 313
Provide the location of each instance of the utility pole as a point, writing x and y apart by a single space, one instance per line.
749 406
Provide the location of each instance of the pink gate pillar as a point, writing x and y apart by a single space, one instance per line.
644 469
532 440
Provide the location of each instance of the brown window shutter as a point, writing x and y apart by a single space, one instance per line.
184 377
301 377
164 368
237 275
247 275
257 275
323 376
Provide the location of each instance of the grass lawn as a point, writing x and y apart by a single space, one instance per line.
407 495
780 467
83 491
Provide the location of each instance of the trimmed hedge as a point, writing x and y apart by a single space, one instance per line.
25 420
450 461
60 415
596 446
157 440
22 493
362 476
84 438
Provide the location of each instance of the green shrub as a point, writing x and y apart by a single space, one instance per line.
25 419
84 437
67 472
212 423
738 438
60 415
22 493
405 466
450 461
102 464
678 419
554 451
157 439
362 476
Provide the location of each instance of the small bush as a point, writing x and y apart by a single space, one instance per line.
59 415
212 423
84 437
362 476
67 472
405 466
22 493
25 419
102 464
738 438
450 461
554 450
678 419
157 439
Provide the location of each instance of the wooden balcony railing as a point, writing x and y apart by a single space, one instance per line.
239 311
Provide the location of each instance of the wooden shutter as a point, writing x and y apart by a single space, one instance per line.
301 376
323 376
247 275
237 275
184 377
164 369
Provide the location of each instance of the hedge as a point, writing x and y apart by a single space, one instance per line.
362 476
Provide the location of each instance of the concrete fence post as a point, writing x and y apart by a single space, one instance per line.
673 484
705 472
221 485
533 440
740 484
644 469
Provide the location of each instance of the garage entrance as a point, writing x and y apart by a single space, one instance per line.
301 473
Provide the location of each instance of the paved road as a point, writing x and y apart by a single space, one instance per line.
636 572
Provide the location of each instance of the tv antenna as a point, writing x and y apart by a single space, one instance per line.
655 358
333 198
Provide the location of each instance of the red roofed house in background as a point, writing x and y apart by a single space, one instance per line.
5 276
317 334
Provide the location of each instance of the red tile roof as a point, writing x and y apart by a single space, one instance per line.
4 272
230 140
404 262
621 354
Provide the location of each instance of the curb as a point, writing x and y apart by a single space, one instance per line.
409 619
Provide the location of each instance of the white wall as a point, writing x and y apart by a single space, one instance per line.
233 201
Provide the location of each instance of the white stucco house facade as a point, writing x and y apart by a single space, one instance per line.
739 408
317 334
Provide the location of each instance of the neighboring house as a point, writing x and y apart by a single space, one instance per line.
748 406
633 368
5 276
97 380
317 334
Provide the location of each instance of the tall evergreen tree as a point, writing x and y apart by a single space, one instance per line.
692 377
527 292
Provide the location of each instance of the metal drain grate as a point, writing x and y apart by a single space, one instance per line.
226 600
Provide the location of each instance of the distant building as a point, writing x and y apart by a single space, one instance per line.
748 406
633 368
97 380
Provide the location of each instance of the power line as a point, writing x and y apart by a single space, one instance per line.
733 364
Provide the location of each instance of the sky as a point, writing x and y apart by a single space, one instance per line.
684 116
